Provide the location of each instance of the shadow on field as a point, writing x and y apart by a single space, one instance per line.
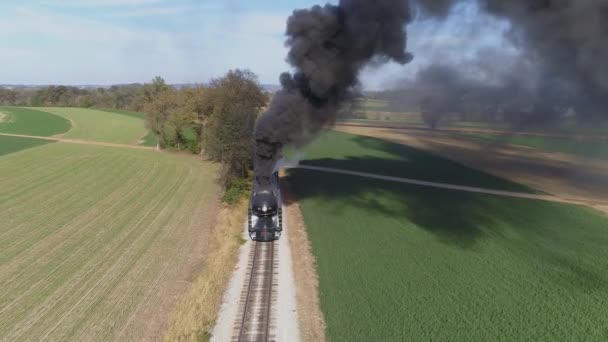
455 217
536 231
409 162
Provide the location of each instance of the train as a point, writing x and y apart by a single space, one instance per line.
265 217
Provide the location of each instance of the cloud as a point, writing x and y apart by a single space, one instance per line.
44 47
160 11
101 3
152 12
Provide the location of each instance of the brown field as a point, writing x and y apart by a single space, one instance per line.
564 175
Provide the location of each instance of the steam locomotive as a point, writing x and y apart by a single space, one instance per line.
265 218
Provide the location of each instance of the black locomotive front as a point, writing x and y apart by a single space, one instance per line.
265 216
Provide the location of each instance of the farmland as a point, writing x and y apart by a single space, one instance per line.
102 126
402 262
96 242
150 138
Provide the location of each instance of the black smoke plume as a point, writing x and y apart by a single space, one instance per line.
568 40
561 66
328 47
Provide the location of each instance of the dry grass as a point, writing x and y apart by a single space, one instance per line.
311 319
195 314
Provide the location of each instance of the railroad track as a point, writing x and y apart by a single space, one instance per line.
255 322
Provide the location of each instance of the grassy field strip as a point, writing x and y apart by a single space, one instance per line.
150 138
183 206
55 186
39 232
547 198
91 269
96 125
83 246
54 169
33 164
34 173
53 189
76 313
19 190
155 235
41 252
46 197
171 248
32 167
59 207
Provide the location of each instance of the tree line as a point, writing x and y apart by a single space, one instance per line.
214 120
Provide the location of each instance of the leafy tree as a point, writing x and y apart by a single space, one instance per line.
158 110
228 136
8 96
151 90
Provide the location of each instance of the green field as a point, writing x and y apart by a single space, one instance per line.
123 112
150 138
13 144
374 105
97 125
28 121
590 149
94 239
408 263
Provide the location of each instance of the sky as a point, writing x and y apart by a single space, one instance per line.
76 42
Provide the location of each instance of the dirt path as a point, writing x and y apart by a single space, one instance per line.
81 142
563 175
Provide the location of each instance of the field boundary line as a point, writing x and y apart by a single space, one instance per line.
80 142
503 193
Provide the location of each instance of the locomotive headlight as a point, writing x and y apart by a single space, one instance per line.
264 208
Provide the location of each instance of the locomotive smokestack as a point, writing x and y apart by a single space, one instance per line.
328 47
